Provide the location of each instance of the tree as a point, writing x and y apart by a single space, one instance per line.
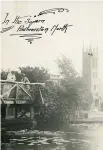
3 74
64 99
66 67
72 80
35 74
70 97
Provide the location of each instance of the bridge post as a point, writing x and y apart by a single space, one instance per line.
16 111
31 112
7 111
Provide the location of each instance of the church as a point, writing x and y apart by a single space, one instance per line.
91 76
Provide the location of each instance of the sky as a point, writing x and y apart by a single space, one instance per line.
87 29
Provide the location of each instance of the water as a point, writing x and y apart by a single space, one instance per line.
79 137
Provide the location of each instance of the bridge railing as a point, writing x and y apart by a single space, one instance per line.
18 92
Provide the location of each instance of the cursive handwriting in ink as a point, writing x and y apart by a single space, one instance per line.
56 27
53 11
26 35
6 21
31 27
34 21
6 29
17 19
30 40
29 37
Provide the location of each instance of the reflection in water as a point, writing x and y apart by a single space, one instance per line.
90 138
98 138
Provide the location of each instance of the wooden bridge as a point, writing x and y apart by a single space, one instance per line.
18 92
20 100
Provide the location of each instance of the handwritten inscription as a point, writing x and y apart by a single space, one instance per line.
33 27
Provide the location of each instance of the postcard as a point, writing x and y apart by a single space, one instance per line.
51 75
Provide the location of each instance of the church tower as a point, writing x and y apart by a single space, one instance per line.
90 72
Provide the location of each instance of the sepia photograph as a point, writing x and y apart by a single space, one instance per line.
51 86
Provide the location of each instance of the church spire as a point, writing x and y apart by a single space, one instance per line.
90 49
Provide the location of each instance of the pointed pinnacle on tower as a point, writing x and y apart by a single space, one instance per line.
90 49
